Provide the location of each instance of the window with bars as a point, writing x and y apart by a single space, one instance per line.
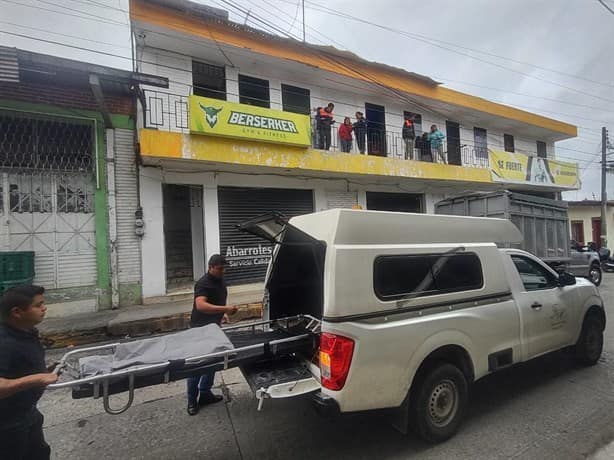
45 193
508 143
209 80
542 151
28 143
254 91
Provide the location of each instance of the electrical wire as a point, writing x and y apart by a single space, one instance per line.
259 20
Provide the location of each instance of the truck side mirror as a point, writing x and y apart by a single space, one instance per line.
566 279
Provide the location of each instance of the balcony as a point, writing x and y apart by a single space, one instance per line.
170 112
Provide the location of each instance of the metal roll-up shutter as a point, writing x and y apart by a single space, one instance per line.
248 255
397 202
128 243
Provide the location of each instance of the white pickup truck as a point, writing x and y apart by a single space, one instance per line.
416 307
377 310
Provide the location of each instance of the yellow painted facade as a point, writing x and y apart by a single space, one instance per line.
156 15
167 145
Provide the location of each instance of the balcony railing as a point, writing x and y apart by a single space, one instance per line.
170 112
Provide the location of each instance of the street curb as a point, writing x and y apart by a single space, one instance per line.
137 328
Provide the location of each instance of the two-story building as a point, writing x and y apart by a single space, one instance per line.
233 137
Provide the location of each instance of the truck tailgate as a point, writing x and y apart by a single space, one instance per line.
281 378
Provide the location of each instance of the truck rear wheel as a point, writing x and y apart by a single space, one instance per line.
439 400
590 344
595 275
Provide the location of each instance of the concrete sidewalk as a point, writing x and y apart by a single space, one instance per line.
136 320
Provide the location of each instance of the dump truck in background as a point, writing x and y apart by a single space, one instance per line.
544 224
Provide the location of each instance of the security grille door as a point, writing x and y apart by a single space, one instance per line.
47 197
249 255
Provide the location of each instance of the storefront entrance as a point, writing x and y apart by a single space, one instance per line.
183 235
248 255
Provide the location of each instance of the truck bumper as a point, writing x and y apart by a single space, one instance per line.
325 405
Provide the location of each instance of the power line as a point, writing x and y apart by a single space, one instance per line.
123 57
98 19
606 6
65 35
418 38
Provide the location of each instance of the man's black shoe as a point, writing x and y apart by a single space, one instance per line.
192 408
209 398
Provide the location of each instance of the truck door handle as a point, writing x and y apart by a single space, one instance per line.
536 306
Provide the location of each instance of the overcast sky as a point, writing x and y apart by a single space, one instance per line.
570 38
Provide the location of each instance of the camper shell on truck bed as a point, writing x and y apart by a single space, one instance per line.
544 223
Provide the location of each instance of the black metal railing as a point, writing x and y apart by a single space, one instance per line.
170 112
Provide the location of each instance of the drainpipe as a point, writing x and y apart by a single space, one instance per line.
112 203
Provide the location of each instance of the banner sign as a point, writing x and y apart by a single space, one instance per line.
524 169
230 119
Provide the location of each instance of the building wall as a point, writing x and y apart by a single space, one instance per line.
586 214
63 96
327 193
98 296
178 69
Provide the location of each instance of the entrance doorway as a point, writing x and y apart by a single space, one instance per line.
454 145
183 235
577 231
376 129
596 221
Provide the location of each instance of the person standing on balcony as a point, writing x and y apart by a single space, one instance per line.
345 135
409 134
360 131
423 147
436 138
324 121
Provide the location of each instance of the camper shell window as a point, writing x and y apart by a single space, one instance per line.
399 276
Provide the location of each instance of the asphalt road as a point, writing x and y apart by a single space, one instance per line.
548 408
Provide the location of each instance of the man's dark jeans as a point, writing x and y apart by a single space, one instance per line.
324 137
199 384
25 442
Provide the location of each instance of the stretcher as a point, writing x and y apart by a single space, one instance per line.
273 355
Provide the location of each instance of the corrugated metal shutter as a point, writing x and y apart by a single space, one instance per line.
128 245
9 65
249 255
344 200
397 202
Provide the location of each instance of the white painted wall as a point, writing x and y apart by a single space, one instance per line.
178 69
152 242
154 269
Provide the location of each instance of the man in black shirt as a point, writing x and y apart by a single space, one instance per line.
209 307
23 374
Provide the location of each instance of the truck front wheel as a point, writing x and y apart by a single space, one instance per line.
590 344
438 402
595 275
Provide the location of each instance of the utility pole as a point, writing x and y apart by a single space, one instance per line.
604 192
303 1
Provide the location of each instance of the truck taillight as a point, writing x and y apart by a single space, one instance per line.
335 358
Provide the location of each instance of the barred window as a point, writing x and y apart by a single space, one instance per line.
30 193
45 143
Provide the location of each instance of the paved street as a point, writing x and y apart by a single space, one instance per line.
544 409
